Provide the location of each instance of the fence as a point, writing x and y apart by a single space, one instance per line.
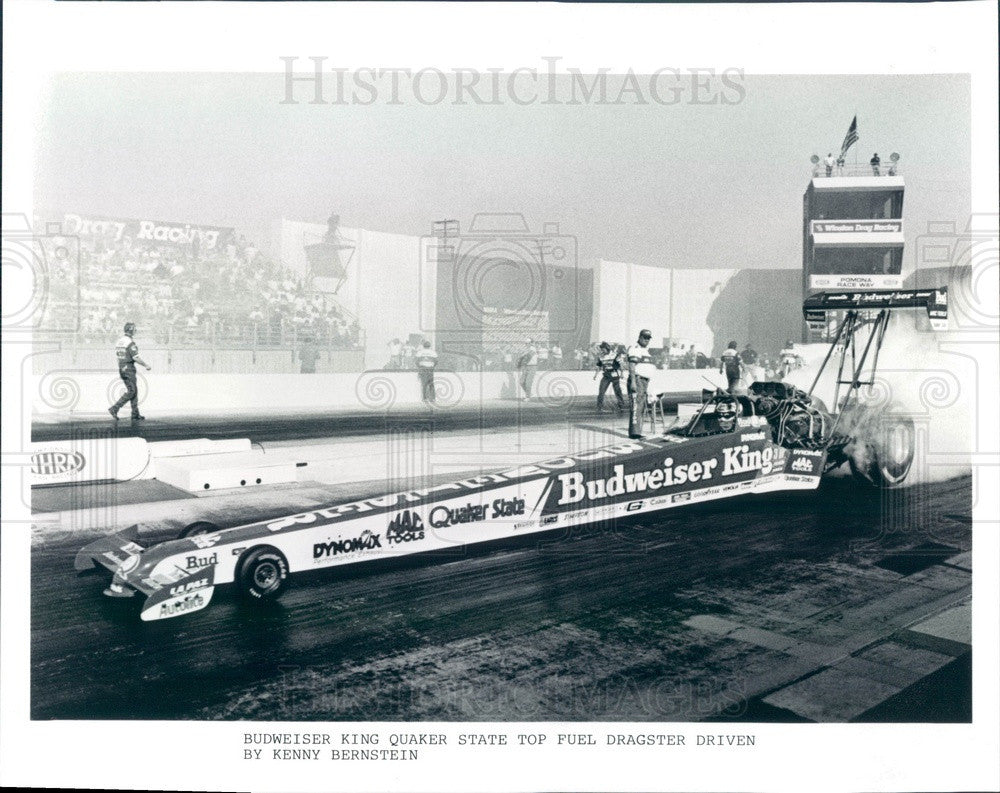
886 168
199 359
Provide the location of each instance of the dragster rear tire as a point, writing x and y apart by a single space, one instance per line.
884 460
262 574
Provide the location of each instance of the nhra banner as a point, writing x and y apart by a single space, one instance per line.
88 460
207 238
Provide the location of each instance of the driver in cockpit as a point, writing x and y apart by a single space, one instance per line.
725 415
722 419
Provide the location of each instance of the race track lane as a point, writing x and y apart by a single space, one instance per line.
297 425
587 626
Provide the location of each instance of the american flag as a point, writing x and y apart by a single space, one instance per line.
850 138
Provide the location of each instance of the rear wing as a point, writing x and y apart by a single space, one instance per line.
934 300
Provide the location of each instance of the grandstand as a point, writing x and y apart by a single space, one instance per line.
207 300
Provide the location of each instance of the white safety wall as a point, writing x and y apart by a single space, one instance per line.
627 298
704 307
695 292
671 303
387 283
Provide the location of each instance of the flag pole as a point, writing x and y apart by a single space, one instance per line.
856 147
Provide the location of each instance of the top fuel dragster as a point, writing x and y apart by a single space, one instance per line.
775 437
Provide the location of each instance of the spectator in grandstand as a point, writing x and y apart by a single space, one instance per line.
528 364
829 162
609 365
127 353
732 367
308 355
426 363
875 162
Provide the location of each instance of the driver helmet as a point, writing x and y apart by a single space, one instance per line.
129 328
725 412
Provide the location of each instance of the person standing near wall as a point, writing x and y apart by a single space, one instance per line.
426 363
395 354
638 354
543 354
557 356
127 353
731 365
407 355
308 354
610 366
528 364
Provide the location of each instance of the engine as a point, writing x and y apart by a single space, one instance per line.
797 420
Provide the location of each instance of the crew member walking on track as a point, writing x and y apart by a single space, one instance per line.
528 364
426 362
610 366
731 365
638 354
128 356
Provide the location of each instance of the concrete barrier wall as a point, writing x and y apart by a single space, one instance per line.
191 361
64 391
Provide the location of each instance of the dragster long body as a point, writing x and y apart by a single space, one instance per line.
620 480
777 437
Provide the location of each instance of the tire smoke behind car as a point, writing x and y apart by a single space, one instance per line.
918 376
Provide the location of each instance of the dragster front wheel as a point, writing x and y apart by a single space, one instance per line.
262 574
883 459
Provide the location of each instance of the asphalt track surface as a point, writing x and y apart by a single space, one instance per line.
274 426
594 623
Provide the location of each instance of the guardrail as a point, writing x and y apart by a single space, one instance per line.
885 168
